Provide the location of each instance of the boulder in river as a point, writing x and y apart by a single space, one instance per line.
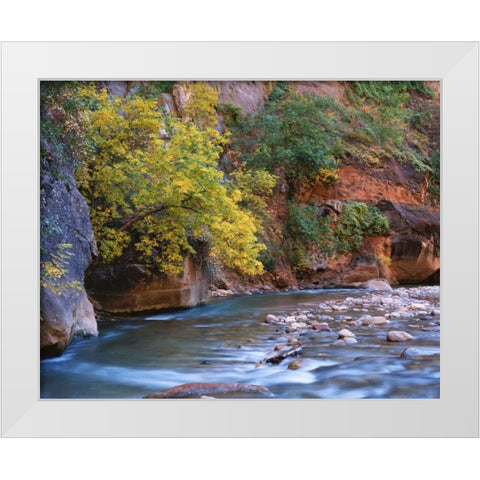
321 326
199 389
345 333
379 285
398 336
411 352
369 321
271 319
295 365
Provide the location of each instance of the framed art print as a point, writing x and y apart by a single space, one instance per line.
194 247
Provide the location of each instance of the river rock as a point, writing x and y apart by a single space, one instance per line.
295 365
411 352
299 325
398 336
349 340
271 318
321 326
375 321
193 390
338 343
221 293
345 333
280 347
380 285
417 306
431 329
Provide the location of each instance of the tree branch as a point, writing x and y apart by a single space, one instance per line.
138 217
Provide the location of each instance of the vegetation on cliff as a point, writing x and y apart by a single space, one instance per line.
295 135
60 138
152 183
162 183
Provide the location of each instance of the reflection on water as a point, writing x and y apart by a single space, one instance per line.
224 342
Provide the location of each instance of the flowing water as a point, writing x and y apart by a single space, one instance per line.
225 340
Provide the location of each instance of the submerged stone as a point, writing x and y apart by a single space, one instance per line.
411 352
199 389
398 336
345 333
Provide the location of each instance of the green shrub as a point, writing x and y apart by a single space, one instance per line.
302 222
296 134
420 87
153 89
357 221
306 229
418 118
434 179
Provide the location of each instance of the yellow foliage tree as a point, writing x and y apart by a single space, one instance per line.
158 192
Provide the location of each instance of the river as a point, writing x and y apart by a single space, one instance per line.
226 341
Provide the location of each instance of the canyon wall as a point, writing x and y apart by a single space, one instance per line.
65 220
409 253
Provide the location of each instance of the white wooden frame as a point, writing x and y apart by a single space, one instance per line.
454 414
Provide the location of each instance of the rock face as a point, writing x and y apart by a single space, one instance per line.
414 242
134 288
412 249
410 254
249 96
388 180
65 220
193 390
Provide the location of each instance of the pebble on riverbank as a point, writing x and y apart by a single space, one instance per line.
380 308
345 333
398 336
